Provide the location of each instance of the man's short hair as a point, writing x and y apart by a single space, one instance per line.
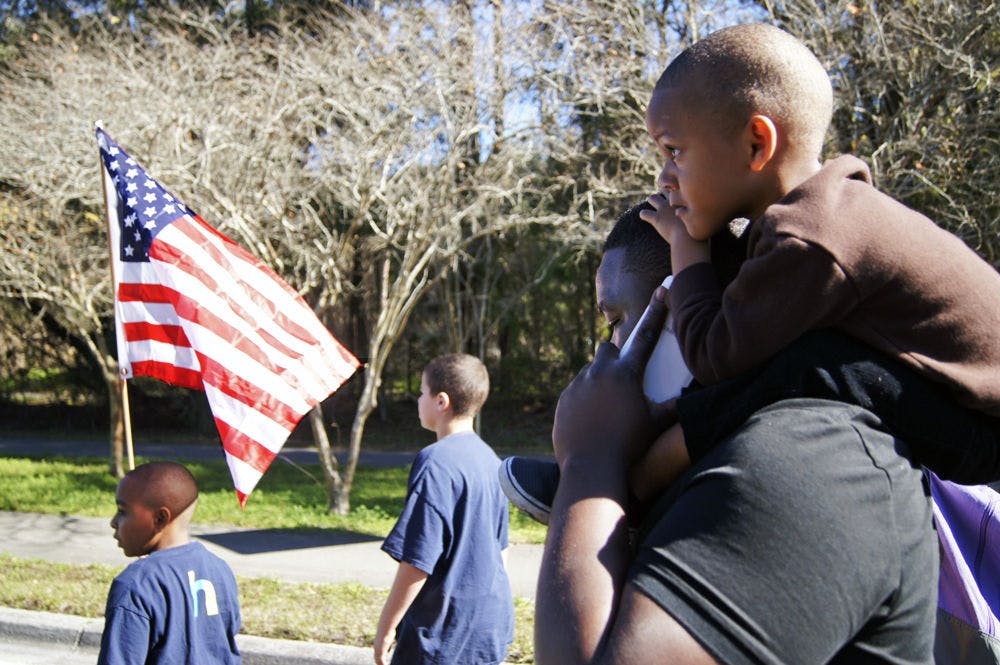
738 71
463 377
646 253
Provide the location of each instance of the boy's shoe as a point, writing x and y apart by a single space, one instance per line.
530 484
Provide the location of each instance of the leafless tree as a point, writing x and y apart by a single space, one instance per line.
365 156
918 98
578 76
352 153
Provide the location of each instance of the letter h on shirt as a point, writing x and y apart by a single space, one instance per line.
211 604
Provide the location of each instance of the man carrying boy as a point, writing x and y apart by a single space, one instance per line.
802 537
179 603
741 131
451 600
634 260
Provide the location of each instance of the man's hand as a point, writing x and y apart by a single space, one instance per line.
603 415
584 612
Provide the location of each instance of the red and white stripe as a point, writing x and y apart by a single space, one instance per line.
206 314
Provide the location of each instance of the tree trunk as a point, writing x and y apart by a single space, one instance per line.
327 460
116 465
341 500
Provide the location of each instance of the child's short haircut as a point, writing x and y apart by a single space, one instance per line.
463 377
736 72
165 484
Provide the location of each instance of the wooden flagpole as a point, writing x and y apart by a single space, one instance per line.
127 421
126 411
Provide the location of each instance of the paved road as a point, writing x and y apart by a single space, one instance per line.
27 638
293 555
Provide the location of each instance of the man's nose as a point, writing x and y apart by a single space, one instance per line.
619 335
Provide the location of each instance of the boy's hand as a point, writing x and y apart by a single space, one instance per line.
382 647
684 250
603 415
663 219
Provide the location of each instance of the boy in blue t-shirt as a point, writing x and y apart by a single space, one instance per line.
451 600
179 603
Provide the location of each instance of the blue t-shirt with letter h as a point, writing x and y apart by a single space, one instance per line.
454 528
178 605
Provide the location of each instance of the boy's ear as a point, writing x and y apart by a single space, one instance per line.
161 517
763 141
443 401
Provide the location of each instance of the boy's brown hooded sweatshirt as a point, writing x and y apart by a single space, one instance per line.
836 252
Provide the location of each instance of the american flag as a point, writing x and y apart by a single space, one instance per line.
193 309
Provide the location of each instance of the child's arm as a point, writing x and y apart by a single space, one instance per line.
665 460
719 324
405 587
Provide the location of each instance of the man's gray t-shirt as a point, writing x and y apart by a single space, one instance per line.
806 537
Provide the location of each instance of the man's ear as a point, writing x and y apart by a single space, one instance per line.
763 141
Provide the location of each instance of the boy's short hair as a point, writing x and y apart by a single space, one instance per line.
646 253
165 484
463 377
738 71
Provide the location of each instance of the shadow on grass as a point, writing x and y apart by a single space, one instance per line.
259 541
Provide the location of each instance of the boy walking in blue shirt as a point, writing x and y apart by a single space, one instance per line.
451 600
179 603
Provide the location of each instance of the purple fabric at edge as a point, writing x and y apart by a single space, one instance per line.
968 524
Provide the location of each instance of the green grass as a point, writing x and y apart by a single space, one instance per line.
336 613
287 497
